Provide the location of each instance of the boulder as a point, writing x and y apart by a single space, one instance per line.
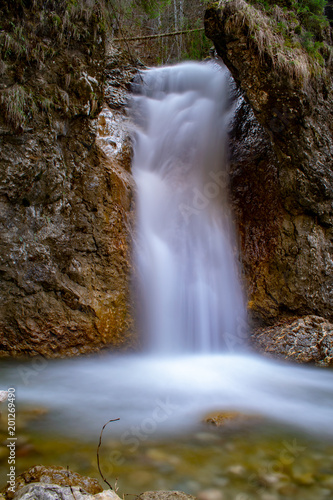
43 491
53 476
304 340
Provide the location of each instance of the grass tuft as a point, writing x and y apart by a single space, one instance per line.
278 32
17 105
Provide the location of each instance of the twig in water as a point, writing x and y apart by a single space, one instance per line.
98 447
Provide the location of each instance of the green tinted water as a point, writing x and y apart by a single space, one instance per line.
243 460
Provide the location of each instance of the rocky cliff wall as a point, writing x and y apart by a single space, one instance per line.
64 205
281 159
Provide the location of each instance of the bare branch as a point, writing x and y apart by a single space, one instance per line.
98 447
173 33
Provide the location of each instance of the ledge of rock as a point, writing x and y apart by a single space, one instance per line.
304 340
56 476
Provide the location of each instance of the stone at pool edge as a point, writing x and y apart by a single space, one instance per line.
44 491
165 495
53 475
308 339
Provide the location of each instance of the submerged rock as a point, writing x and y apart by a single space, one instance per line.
164 495
304 340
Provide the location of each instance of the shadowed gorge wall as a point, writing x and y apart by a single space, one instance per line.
64 207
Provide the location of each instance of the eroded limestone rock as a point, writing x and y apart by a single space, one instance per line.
281 170
42 491
65 207
304 340
53 476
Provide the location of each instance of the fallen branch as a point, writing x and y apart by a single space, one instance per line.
173 33
98 447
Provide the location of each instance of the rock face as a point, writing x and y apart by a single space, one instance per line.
282 169
305 340
255 200
64 205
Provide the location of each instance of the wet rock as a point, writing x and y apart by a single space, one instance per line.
231 419
281 170
236 470
304 340
255 201
53 476
210 494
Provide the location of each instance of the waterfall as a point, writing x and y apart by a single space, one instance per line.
186 253
191 305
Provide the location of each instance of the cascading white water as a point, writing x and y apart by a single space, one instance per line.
192 298
192 301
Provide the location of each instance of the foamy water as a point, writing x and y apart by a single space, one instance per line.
171 394
186 255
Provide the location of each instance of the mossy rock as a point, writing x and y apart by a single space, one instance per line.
54 475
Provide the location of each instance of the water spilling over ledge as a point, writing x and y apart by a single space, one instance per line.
186 254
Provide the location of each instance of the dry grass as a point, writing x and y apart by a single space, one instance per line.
17 106
286 53
32 41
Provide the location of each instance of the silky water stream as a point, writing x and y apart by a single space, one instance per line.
195 359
